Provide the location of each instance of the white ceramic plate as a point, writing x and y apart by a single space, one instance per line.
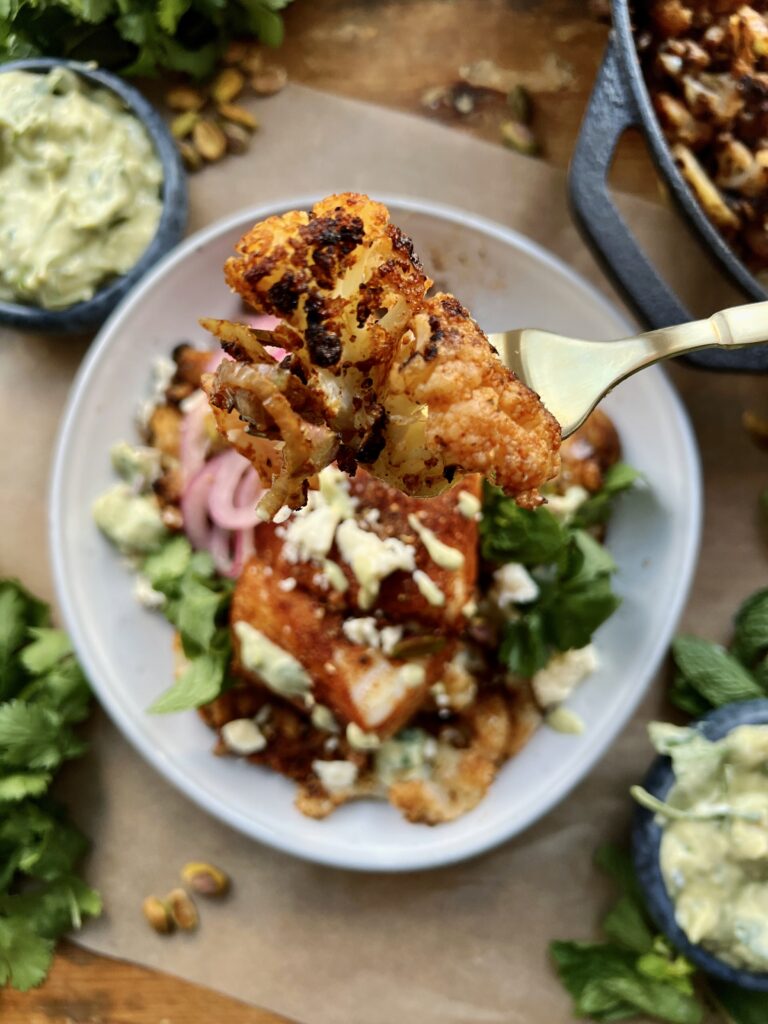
126 651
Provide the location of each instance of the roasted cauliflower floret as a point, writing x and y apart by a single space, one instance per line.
376 374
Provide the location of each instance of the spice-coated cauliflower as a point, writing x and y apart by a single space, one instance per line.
376 373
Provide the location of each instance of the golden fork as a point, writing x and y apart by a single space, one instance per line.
572 375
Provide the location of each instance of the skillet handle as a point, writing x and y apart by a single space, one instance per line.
610 112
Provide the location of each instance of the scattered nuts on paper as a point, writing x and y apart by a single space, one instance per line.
158 915
205 879
182 910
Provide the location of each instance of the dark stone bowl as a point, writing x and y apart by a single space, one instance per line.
88 315
646 843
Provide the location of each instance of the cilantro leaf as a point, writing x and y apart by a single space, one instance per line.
524 648
199 609
615 862
33 736
24 956
201 682
18 612
712 672
53 908
512 534
47 647
20 785
165 567
597 509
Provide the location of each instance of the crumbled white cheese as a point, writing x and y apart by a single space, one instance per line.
559 677
469 610
287 584
336 776
358 739
469 505
565 506
440 695
322 718
428 589
146 594
364 631
309 532
371 559
408 755
441 554
243 736
334 490
138 465
282 514
163 371
361 631
372 516
390 637
513 584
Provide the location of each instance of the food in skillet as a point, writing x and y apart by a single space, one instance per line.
371 643
706 65
376 374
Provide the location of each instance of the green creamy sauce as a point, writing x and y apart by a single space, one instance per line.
80 188
714 850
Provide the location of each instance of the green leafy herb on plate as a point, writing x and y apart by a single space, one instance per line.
196 601
43 695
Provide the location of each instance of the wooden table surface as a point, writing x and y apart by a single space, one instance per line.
387 52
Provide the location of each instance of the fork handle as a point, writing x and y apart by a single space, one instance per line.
730 328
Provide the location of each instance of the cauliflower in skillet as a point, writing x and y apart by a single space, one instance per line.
376 373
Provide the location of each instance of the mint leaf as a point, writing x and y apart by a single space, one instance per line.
615 862
597 509
201 682
738 1005
24 956
712 672
512 534
606 986
685 697
750 641
625 924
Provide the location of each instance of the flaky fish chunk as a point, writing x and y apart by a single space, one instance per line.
376 373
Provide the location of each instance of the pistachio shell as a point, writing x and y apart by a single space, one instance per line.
269 80
182 124
182 910
158 914
206 879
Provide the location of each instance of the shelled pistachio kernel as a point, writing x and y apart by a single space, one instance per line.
184 97
210 141
193 162
182 124
238 115
205 879
158 914
227 85
182 909
519 137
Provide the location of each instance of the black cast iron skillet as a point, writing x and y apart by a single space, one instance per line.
619 101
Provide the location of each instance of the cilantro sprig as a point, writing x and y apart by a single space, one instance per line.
43 696
135 37
571 569
196 601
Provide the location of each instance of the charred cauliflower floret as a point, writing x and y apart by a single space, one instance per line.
376 374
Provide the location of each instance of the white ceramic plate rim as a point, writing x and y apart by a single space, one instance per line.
397 858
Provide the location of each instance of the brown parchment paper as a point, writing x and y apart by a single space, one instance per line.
465 944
